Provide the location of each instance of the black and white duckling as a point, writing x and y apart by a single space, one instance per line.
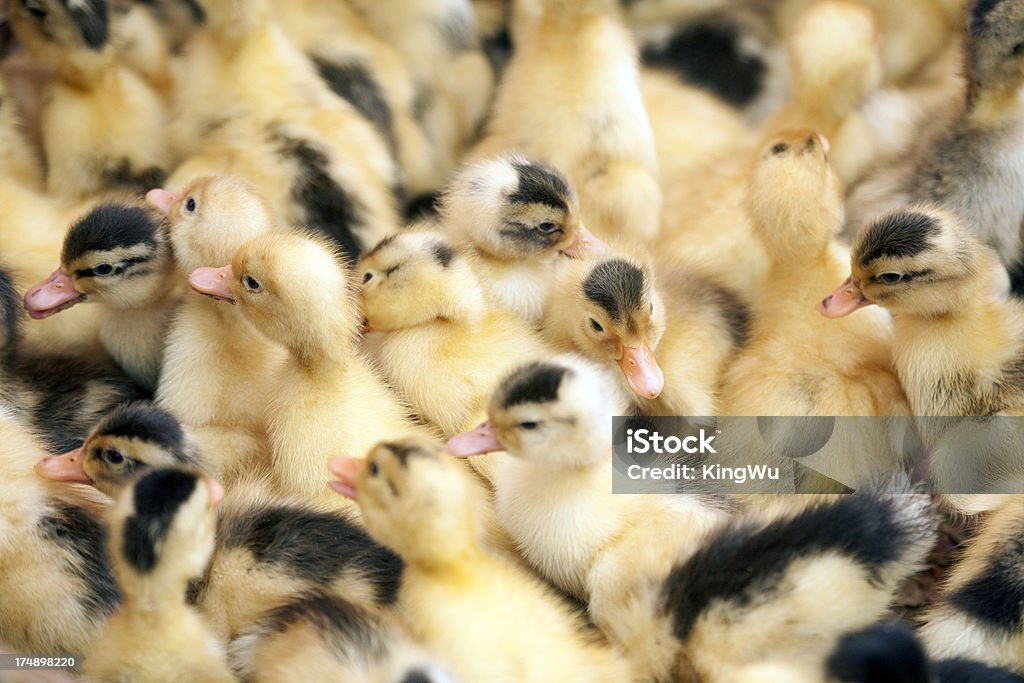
438 340
969 159
670 334
118 255
161 538
118 120
553 494
61 396
454 595
55 577
520 218
296 293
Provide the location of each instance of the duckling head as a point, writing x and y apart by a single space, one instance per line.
412 278
512 209
162 534
293 288
556 413
414 498
794 198
118 254
63 33
132 438
917 261
995 45
613 314
211 219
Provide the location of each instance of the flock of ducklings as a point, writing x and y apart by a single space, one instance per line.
313 255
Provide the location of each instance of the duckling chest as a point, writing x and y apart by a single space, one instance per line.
520 289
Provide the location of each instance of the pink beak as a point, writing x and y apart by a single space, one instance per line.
48 298
162 200
585 243
642 371
346 470
66 467
846 299
214 283
483 439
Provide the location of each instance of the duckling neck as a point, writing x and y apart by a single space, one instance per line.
990 107
156 599
318 353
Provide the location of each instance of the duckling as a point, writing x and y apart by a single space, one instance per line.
957 339
455 596
295 291
569 97
210 350
55 575
149 34
969 158
519 218
118 119
117 255
161 537
671 349
800 364
61 395
434 336
554 496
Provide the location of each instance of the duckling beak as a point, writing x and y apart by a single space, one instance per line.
584 243
214 283
162 200
846 299
66 467
346 470
642 371
483 439
48 298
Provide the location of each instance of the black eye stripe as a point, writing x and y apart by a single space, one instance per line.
119 267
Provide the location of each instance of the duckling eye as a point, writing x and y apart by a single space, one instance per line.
35 8
367 277
547 227
190 204
251 283
103 269
112 456
596 326
889 278
529 426
374 469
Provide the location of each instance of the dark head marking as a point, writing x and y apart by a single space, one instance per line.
533 383
146 422
779 147
617 286
895 235
158 495
403 452
91 18
888 653
417 676
979 15
111 226
540 185
382 244
443 253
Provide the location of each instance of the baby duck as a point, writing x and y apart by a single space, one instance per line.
554 497
161 538
671 349
118 255
455 596
570 97
436 339
296 292
118 120
519 218
969 160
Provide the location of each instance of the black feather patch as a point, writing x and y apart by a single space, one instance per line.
404 452
745 561
499 48
708 54
443 253
76 530
540 185
91 18
618 287
111 226
416 676
10 312
147 422
895 235
315 546
422 206
120 174
326 206
353 82
158 496
350 631
979 15
996 597
888 653
533 383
